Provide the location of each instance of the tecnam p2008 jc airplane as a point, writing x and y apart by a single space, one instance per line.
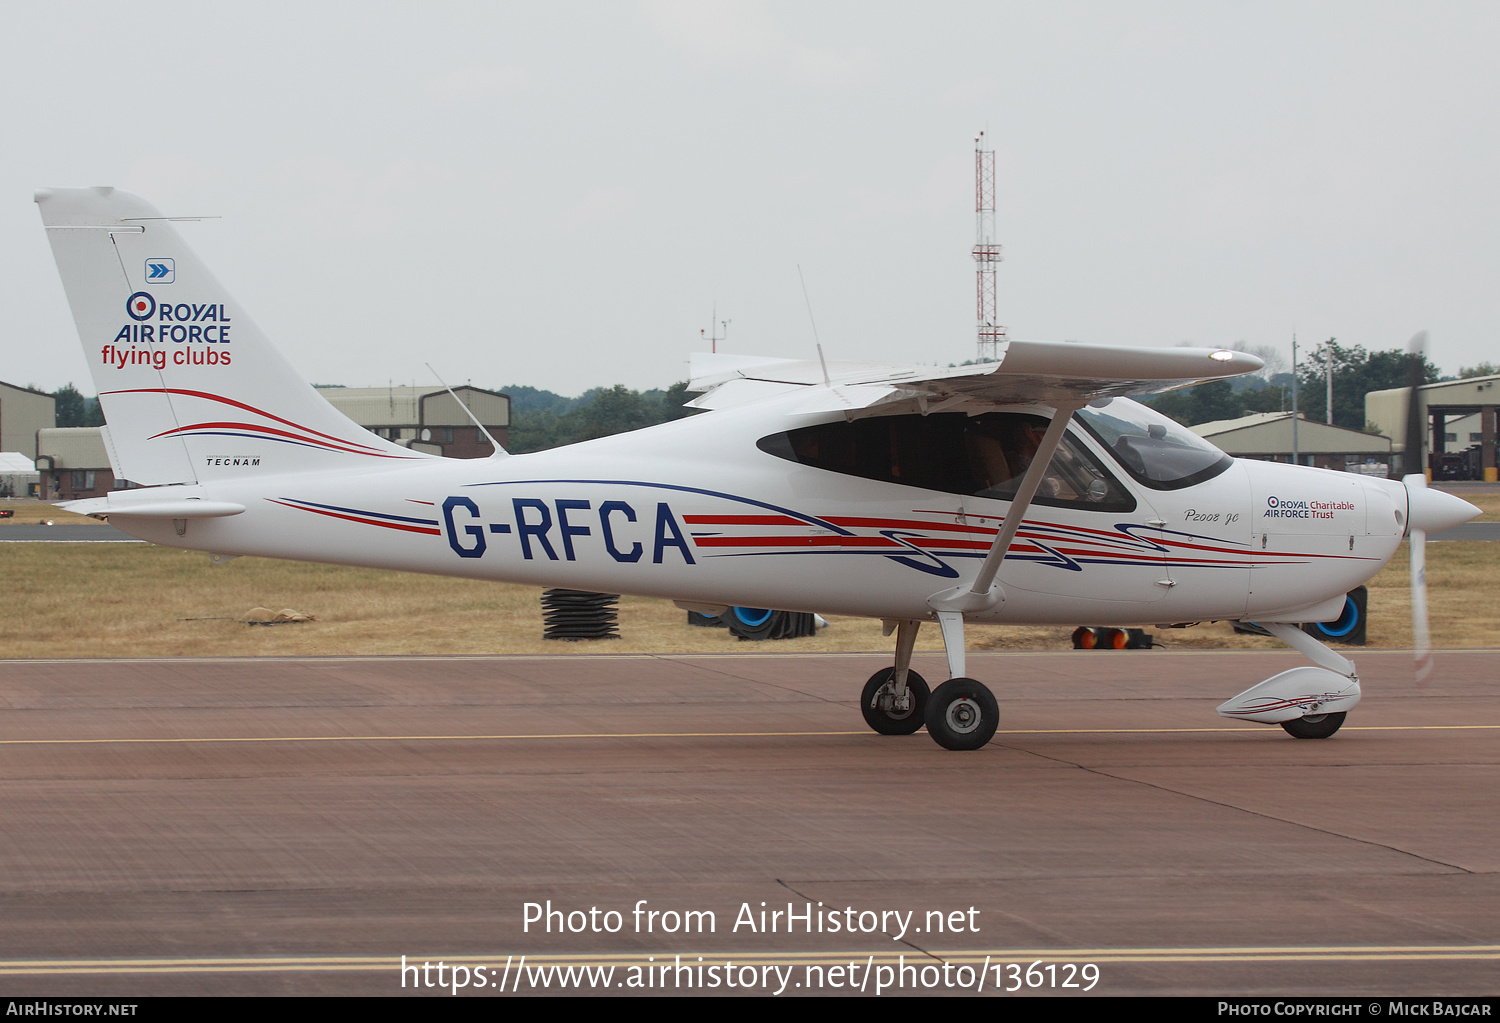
1025 491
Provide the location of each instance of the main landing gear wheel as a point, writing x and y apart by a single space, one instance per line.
1314 726
877 703
962 714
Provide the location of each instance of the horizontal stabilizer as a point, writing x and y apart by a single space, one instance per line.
155 507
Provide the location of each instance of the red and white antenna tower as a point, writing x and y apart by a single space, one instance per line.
714 326
992 336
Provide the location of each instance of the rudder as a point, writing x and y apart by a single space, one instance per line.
191 388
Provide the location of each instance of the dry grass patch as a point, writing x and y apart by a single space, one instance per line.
1488 503
138 600
1463 604
30 513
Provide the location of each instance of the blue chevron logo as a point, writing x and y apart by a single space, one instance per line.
161 270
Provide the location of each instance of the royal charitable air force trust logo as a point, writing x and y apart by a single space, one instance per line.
1282 508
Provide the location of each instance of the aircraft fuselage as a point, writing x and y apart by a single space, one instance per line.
694 511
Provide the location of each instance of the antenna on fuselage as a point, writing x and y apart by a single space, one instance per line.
499 451
816 342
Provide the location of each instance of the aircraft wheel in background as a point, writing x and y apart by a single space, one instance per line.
962 714
1314 726
755 623
876 700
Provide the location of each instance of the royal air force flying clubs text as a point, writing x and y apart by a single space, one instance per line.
155 325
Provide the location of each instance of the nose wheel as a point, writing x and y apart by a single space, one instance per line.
962 714
1314 726
888 713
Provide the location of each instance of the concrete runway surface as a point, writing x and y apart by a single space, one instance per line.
260 826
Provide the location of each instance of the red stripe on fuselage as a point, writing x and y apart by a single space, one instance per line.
356 518
944 527
742 520
793 541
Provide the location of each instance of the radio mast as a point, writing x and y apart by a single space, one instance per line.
992 337
712 334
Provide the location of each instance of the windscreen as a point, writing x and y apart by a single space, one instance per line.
1151 447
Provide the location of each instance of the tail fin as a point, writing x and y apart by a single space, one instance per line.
190 387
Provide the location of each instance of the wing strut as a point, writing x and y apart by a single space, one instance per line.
983 594
1029 483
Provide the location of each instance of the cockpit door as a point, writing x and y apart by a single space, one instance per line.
1087 537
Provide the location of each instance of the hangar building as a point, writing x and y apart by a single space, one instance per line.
1268 436
73 463
427 419
1439 403
22 413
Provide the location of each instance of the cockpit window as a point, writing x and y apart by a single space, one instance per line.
1151 447
980 456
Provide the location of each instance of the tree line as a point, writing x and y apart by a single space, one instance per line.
540 419
1356 372
73 409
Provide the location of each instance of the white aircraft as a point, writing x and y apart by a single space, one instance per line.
1024 491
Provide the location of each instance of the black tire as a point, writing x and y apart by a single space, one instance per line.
962 714
1352 626
752 623
1315 726
885 722
793 625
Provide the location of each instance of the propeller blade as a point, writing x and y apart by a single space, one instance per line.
1416 425
1421 635
1416 484
1428 510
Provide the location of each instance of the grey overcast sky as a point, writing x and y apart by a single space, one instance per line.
556 194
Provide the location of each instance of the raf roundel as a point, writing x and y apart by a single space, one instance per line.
140 306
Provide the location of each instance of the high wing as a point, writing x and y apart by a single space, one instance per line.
1059 373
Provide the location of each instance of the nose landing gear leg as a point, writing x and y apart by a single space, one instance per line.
895 699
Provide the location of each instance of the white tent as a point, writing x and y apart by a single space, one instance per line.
17 474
